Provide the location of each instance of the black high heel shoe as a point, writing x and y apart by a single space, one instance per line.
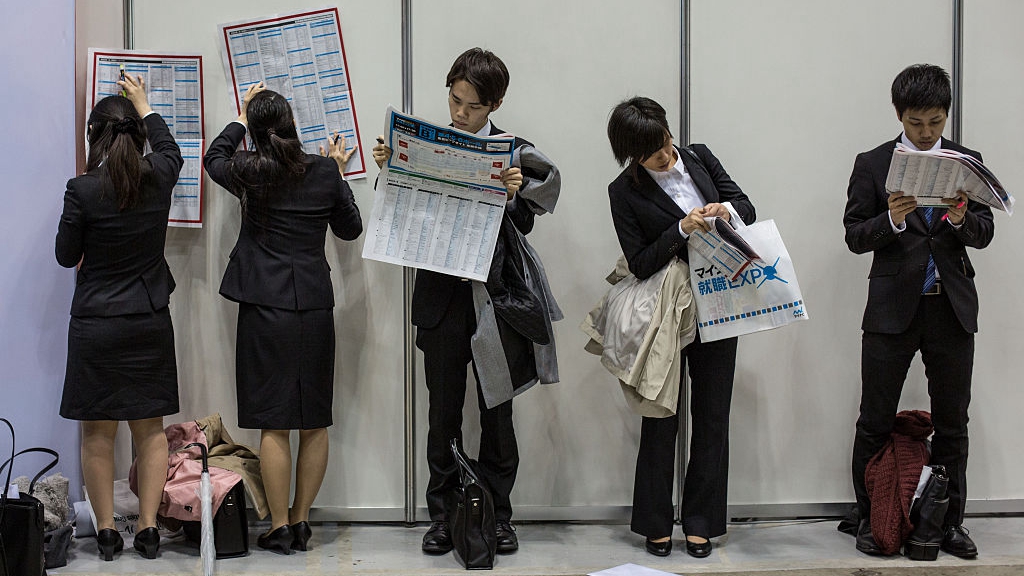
279 540
147 542
109 542
300 535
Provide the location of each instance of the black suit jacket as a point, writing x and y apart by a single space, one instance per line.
898 269
280 262
647 220
433 291
122 252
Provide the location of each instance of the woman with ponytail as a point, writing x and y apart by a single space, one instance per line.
121 363
278 274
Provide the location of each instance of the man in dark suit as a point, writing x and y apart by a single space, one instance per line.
445 317
921 296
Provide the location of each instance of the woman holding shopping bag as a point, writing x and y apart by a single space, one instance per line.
661 197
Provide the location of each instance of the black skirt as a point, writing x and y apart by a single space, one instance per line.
284 368
120 367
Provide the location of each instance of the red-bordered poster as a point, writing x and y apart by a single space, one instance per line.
174 84
302 57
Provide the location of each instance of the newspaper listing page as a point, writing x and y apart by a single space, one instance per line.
439 199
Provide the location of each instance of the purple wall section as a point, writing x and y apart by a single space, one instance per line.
37 156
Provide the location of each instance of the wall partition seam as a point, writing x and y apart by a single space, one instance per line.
129 24
408 280
682 438
958 69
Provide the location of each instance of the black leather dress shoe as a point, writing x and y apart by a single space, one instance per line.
699 549
507 541
109 542
147 542
865 540
279 540
955 541
301 533
437 540
658 548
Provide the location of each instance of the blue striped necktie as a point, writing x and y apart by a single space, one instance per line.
929 271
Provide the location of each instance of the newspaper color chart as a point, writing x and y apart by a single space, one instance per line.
302 57
174 86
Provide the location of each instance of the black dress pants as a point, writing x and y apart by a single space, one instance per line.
446 354
947 351
705 487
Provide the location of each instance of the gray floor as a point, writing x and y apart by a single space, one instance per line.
577 549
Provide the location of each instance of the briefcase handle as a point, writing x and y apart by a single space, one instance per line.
466 471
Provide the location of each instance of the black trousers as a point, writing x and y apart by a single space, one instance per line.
705 487
947 351
446 354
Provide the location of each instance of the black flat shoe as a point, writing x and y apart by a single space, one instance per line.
279 540
147 542
698 549
658 548
300 535
955 541
109 542
865 541
507 540
437 540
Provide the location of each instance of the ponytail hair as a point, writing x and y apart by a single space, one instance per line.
278 161
116 139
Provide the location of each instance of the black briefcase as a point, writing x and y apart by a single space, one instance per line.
230 526
928 514
471 515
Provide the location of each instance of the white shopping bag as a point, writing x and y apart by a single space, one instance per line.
736 300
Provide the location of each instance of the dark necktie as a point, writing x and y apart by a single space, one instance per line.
929 271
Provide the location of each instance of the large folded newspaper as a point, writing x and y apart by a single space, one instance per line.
931 175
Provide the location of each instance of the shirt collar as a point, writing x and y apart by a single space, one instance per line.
486 130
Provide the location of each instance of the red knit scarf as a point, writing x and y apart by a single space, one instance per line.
891 478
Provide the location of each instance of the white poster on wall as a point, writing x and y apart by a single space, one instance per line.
174 84
302 57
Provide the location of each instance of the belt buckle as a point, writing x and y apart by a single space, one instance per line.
934 290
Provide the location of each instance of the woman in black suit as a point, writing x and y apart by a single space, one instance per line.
278 274
662 197
121 363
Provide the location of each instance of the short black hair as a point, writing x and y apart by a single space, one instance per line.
484 71
921 87
637 128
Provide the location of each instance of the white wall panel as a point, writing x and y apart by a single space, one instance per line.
786 93
993 121
570 63
366 464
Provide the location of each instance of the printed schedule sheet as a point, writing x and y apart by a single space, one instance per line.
439 199
302 57
174 86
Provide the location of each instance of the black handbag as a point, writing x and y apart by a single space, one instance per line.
471 514
21 523
927 514
230 526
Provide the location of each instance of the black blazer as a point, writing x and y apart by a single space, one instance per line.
280 262
122 252
898 268
647 220
433 291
